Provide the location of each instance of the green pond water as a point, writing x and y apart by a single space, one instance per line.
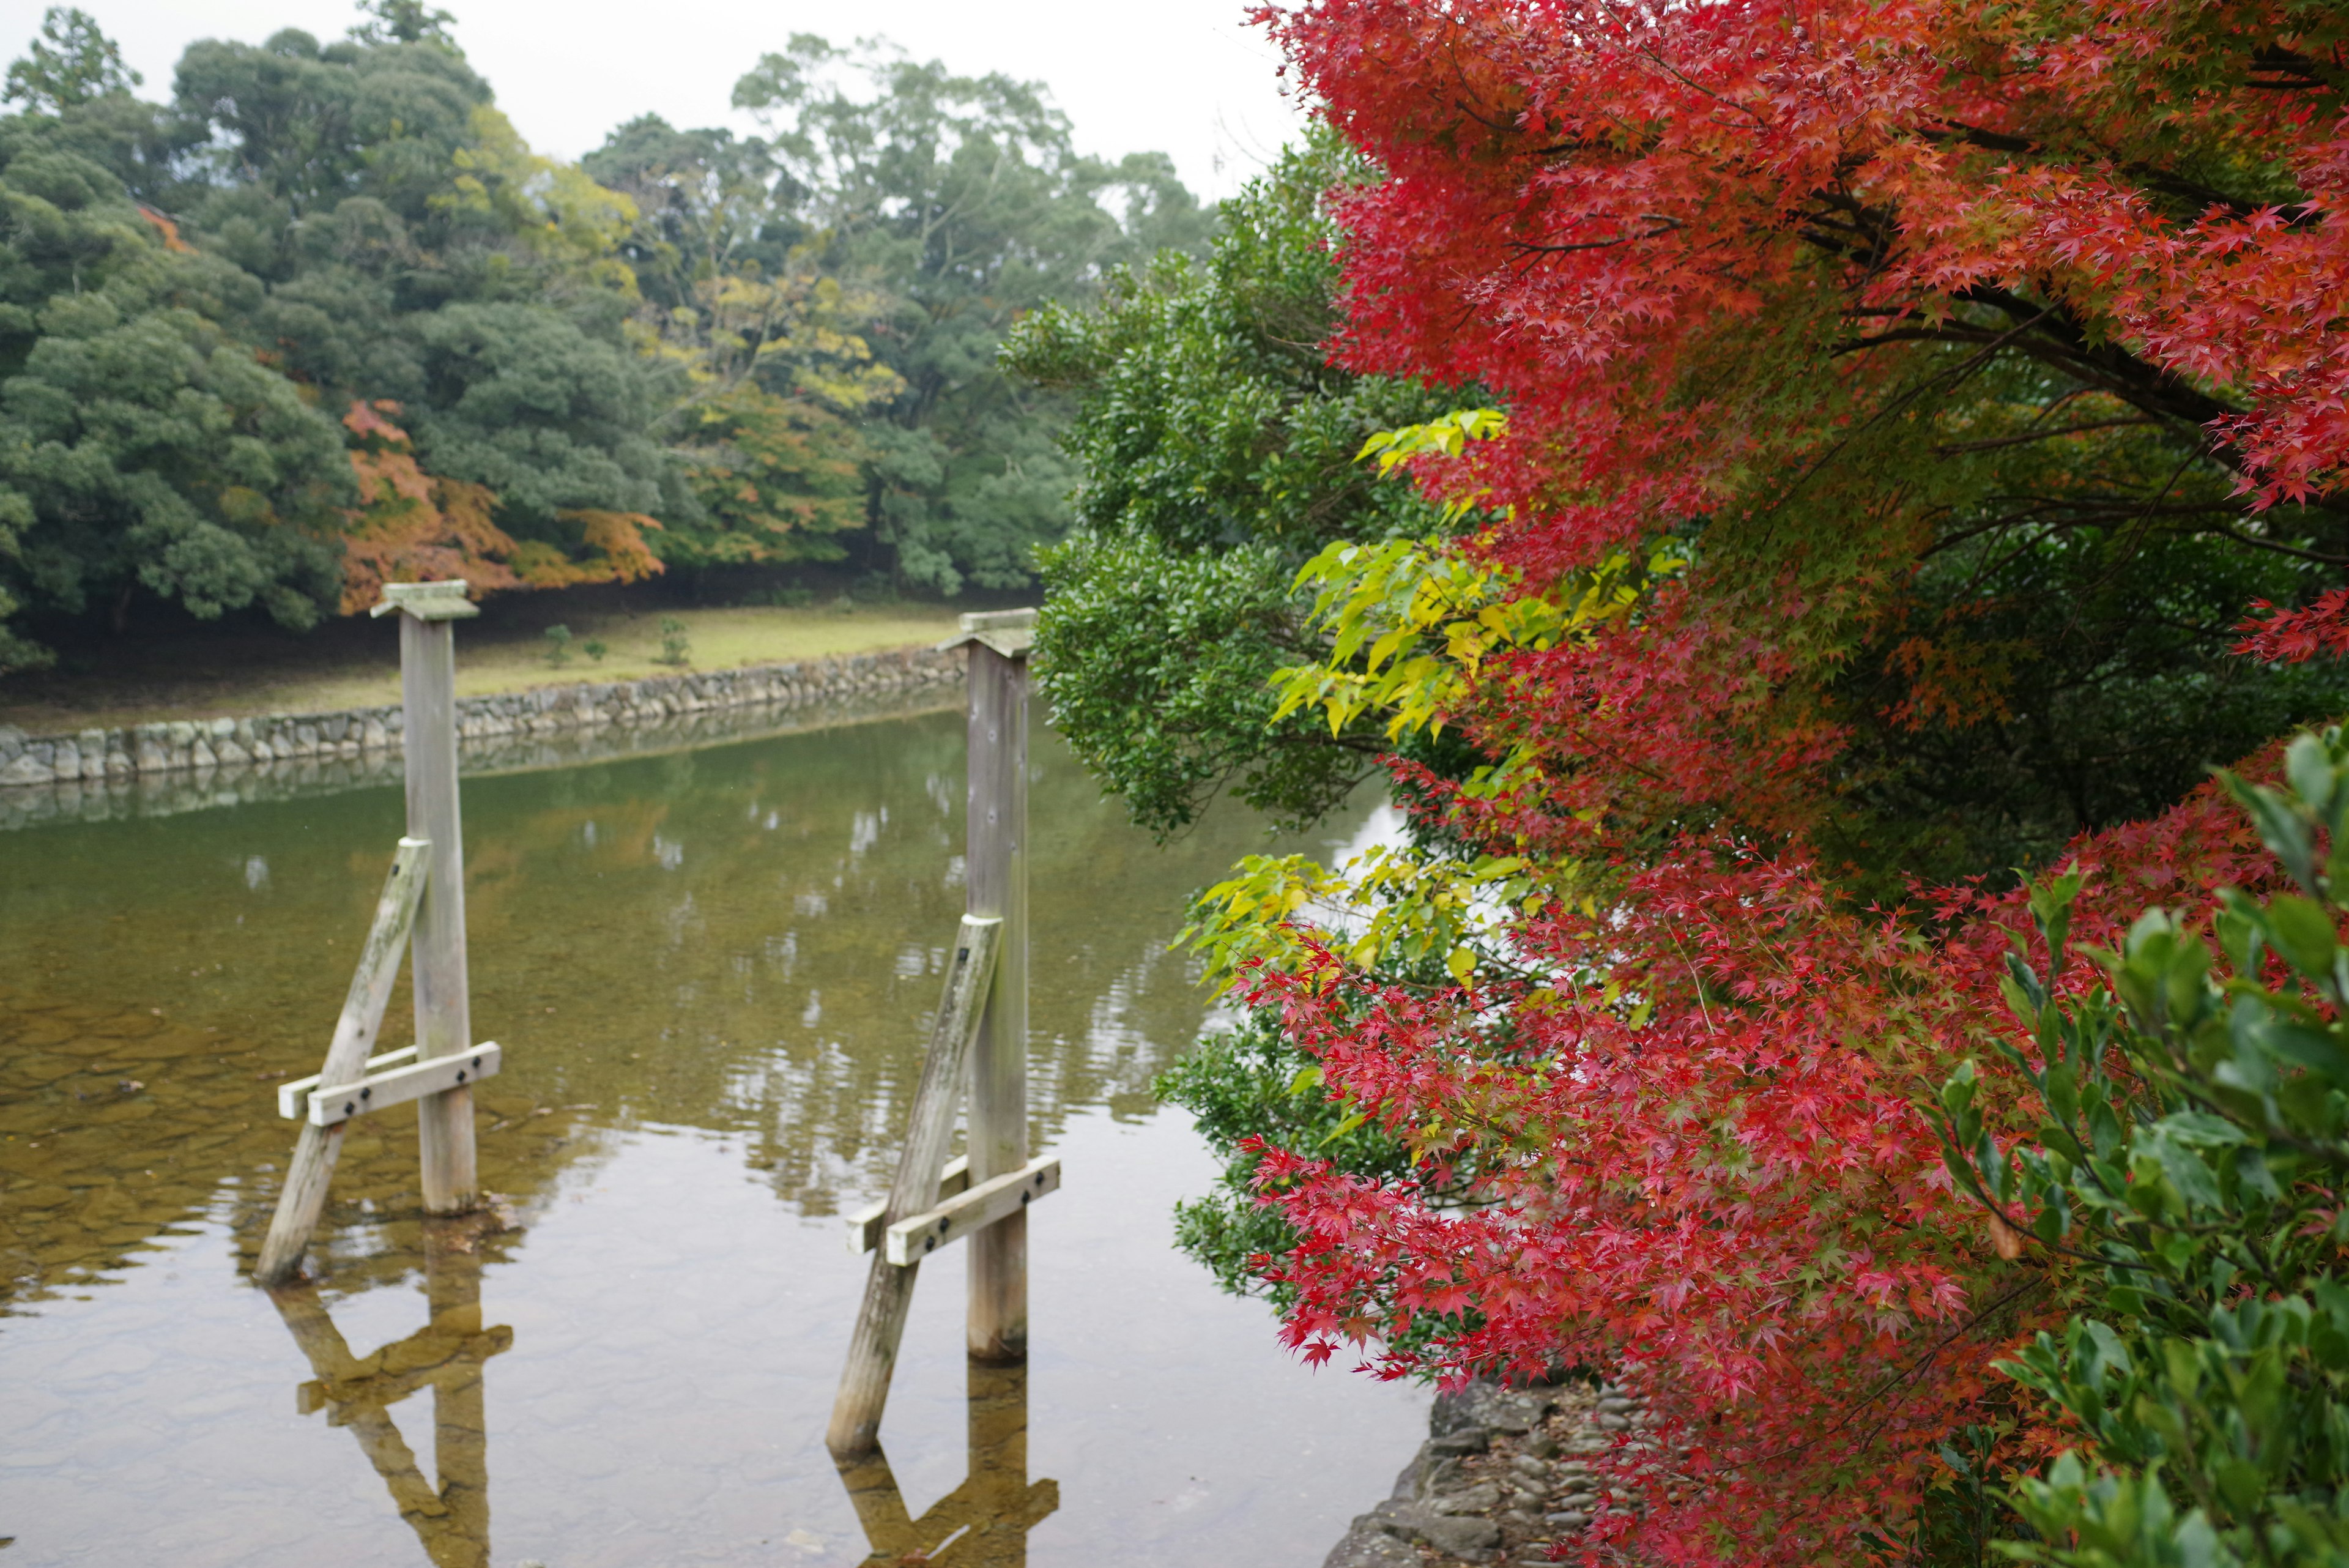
708 971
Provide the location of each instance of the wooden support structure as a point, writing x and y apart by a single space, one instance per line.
856 1425
444 1026
995 856
979 1041
451 1519
422 907
304 1195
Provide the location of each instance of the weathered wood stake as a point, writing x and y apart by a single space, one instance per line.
995 852
444 1026
422 908
315 1150
855 1428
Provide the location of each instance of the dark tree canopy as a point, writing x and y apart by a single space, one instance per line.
694 349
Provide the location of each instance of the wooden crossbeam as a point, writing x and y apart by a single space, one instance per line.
315 1149
916 1236
868 1225
398 1086
293 1095
855 1426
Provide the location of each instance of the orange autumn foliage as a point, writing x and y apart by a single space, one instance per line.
415 526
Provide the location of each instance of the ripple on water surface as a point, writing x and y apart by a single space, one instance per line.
709 972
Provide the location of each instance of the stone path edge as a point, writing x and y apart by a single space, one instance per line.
188 745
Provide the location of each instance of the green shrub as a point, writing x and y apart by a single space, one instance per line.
2191 1166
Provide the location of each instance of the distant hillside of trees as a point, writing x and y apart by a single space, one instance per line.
321 317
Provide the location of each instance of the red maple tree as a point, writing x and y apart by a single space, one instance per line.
1705 254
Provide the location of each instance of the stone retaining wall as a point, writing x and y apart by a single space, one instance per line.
1506 1475
190 745
559 726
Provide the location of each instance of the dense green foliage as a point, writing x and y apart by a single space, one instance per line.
1219 449
347 324
1249 1082
1217 446
2194 1145
140 444
966 198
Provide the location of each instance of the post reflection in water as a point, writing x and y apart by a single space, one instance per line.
451 1519
707 969
982 1523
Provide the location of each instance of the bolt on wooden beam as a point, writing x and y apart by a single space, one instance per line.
380 1090
916 1236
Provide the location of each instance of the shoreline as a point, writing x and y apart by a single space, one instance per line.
191 764
1506 1475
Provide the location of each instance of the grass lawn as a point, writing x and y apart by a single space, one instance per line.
356 663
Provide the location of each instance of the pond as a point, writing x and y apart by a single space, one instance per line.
708 971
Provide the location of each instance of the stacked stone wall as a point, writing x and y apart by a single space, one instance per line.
1506 1475
188 765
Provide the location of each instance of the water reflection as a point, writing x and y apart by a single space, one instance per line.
451 1518
984 1522
743 939
709 972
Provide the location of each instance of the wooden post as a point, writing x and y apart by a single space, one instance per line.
856 1429
995 853
304 1195
444 1024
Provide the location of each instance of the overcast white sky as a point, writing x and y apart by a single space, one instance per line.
1184 77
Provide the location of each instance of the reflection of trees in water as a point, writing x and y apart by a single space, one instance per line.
450 1515
742 939
118 1129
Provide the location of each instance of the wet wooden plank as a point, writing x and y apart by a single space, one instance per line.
916 1236
294 1096
378 1091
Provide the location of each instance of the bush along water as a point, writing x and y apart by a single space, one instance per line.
2185 1182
